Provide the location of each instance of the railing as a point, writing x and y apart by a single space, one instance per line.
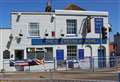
86 65
72 63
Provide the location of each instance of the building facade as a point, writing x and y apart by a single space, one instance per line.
58 35
117 44
4 37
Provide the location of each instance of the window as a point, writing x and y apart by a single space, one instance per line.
49 54
34 53
33 29
40 53
30 55
19 54
98 25
71 26
71 52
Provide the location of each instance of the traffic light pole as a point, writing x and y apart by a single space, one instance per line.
100 42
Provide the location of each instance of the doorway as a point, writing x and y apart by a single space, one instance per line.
101 57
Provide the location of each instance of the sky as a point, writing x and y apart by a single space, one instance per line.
111 6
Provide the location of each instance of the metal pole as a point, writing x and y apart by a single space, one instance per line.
3 64
3 69
100 45
54 63
93 64
29 67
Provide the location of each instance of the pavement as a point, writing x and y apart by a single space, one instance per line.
102 75
111 76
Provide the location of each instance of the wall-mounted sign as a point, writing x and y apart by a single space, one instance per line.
38 41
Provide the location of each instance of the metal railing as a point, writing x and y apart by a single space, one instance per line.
75 64
85 65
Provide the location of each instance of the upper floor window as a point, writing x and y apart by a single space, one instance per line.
71 26
33 29
98 25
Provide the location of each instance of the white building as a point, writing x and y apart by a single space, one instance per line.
63 34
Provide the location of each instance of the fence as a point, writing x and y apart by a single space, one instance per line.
85 65
72 64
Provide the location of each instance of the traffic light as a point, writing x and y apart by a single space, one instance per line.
30 49
104 33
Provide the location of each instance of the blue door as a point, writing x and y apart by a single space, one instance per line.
60 54
81 54
101 58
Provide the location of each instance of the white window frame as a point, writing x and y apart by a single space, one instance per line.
67 27
71 49
35 29
44 50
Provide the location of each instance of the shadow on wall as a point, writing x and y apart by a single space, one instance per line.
84 31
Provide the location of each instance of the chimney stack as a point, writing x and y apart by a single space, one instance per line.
48 6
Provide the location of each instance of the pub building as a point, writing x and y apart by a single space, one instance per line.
60 35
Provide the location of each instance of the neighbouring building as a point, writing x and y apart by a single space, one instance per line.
111 48
117 43
4 37
70 34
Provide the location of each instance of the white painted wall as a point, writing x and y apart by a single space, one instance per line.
58 24
4 38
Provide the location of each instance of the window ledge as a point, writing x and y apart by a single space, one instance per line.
49 61
33 37
6 59
71 35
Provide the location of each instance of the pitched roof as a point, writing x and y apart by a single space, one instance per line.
74 7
